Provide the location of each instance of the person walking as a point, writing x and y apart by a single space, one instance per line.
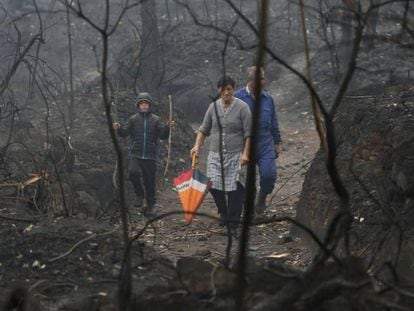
145 130
267 139
228 123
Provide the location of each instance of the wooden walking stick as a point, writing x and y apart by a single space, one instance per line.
169 136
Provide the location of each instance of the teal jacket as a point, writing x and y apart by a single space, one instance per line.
145 130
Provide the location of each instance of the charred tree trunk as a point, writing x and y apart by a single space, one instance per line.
151 72
345 43
372 23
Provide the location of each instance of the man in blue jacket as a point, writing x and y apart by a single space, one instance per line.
144 129
267 138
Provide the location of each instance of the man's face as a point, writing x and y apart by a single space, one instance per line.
144 106
252 84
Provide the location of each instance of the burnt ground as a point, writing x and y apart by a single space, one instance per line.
71 263
75 261
66 260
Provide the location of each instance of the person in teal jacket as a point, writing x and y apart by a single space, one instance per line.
267 139
144 129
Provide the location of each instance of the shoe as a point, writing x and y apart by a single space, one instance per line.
261 204
222 221
138 202
149 211
260 208
234 230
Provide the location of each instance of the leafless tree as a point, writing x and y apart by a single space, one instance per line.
105 29
151 66
342 25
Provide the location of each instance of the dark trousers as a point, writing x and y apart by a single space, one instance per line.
142 175
234 204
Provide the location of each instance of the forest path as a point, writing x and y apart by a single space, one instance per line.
172 238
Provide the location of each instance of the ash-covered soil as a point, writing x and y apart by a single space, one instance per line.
65 260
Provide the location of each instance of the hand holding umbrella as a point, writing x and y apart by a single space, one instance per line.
192 187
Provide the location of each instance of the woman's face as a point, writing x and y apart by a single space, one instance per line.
226 93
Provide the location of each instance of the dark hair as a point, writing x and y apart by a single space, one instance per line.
225 80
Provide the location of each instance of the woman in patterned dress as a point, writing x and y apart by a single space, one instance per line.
228 124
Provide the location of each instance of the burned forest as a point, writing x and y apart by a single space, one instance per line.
337 232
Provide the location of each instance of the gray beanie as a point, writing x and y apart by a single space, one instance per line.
144 96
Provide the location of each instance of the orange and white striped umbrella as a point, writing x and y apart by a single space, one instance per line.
192 187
